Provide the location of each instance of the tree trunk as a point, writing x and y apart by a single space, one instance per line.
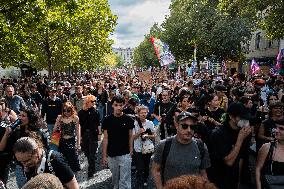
49 55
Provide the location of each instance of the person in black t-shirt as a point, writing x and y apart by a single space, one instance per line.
118 145
228 145
89 119
164 113
36 161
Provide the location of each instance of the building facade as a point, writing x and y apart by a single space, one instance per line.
126 54
263 50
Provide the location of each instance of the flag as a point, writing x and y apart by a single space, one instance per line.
254 67
278 60
163 52
224 67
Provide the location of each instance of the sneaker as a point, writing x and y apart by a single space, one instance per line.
145 184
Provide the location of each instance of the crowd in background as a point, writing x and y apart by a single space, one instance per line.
86 106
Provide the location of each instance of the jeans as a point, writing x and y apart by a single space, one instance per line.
142 167
101 110
50 128
20 176
120 167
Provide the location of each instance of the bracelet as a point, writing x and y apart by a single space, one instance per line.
100 133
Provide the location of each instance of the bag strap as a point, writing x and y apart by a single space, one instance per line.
139 122
268 159
270 152
165 154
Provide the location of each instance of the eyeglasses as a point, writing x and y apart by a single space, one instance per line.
67 110
185 126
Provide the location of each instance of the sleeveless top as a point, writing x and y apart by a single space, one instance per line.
272 167
68 129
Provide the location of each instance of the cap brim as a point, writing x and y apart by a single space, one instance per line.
187 117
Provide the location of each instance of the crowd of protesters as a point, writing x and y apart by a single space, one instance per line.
204 125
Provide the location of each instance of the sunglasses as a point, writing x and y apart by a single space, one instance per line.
92 101
185 126
67 110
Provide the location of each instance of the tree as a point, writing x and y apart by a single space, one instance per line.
144 55
269 14
55 35
112 60
202 24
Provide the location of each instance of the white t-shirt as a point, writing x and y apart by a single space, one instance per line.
138 141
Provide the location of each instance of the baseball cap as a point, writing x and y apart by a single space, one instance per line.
185 115
238 109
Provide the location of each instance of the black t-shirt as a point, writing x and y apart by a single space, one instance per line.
118 134
221 143
90 120
216 115
59 168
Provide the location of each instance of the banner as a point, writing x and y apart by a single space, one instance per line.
163 52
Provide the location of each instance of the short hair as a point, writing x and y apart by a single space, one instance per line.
141 107
87 99
44 181
189 182
26 145
118 99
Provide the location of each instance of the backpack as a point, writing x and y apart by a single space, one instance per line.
166 152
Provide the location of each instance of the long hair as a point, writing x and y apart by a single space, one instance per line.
68 104
35 120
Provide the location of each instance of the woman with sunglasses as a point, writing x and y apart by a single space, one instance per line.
270 159
90 121
68 124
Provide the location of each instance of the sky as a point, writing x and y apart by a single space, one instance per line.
135 18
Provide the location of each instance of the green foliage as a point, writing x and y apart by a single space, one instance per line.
269 14
201 23
144 55
55 35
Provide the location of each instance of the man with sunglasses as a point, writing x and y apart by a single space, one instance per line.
186 155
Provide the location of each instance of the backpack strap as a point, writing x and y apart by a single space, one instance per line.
165 154
201 148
